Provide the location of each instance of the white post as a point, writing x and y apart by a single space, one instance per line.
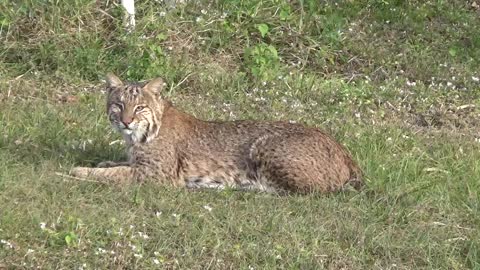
129 6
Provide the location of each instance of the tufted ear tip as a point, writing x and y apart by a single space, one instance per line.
113 81
155 85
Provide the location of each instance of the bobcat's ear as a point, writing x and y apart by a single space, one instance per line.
155 86
113 81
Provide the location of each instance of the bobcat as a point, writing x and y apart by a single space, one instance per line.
172 147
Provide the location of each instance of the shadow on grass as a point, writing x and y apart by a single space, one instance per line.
83 154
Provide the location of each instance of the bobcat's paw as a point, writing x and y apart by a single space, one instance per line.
81 172
106 164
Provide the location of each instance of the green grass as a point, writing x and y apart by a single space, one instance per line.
395 81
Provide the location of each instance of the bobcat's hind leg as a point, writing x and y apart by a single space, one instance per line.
204 182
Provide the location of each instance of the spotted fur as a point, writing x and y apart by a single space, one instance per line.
168 146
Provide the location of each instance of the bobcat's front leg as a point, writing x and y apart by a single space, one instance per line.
119 174
109 164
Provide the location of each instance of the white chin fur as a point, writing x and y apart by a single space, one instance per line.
133 135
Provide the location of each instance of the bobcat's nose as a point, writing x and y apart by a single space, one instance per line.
127 121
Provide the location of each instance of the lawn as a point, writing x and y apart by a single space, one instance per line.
397 82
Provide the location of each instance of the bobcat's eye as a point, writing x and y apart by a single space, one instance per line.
139 108
116 108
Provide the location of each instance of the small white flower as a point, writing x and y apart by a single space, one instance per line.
208 208
156 261
203 11
475 79
30 251
158 213
43 225
199 19
143 235
162 13
6 243
411 83
138 256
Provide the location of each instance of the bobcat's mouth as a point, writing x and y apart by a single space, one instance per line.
135 132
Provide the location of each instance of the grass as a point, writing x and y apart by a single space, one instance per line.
395 81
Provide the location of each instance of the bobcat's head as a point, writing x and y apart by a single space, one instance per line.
135 110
